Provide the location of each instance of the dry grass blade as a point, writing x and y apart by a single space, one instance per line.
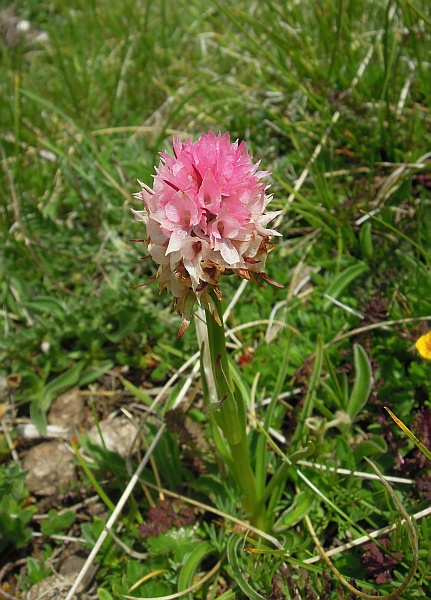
366 538
380 325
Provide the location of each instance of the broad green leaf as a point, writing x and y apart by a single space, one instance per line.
103 594
56 523
179 543
370 447
363 382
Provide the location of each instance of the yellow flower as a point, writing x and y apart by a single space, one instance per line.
423 346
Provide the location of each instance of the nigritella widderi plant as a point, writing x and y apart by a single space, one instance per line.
206 216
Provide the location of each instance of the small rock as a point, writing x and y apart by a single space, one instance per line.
23 26
56 587
71 568
67 411
117 435
50 466
72 565
51 588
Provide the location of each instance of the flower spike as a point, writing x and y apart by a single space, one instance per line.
205 216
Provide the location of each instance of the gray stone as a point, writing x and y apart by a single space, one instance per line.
57 586
51 588
71 566
50 466
118 434
67 411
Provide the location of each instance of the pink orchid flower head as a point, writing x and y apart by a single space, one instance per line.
205 216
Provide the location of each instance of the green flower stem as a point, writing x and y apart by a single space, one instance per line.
245 478
231 417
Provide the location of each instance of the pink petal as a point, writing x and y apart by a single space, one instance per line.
228 252
177 236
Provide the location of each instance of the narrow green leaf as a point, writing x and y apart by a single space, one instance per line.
298 436
341 281
302 453
228 595
366 240
138 393
315 215
280 380
355 526
213 407
233 547
301 506
191 565
89 473
335 389
411 532
261 451
401 234
91 373
40 405
60 384
363 382
241 404
46 305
